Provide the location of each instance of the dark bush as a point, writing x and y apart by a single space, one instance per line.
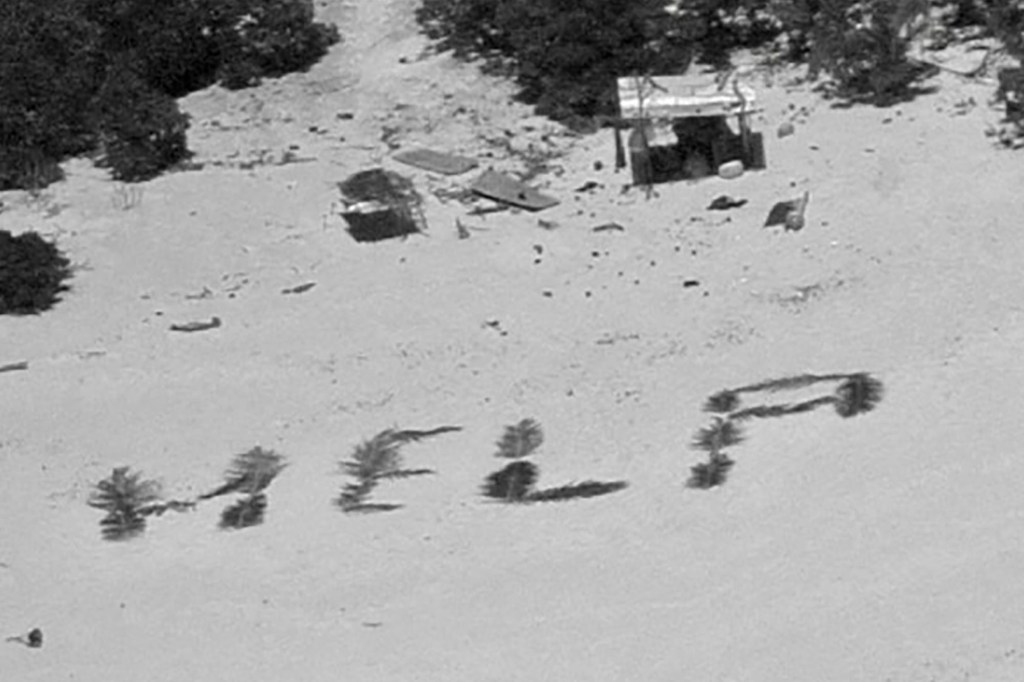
80 73
717 27
173 44
862 45
141 130
32 273
50 66
270 38
564 55
25 167
467 28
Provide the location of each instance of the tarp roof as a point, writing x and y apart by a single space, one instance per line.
655 97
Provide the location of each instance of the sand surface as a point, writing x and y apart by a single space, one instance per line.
884 548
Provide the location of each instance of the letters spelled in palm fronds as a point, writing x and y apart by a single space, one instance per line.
711 473
766 411
246 512
32 274
789 383
859 393
377 459
576 490
722 433
520 440
721 402
513 483
126 497
249 473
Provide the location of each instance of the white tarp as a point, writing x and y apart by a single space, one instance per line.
667 97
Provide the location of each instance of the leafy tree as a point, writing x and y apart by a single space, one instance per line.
269 38
718 26
862 44
50 65
564 55
141 130
77 74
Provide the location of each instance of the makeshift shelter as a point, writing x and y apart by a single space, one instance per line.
379 204
680 127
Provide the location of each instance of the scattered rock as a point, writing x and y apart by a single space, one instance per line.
786 129
299 289
609 227
725 202
730 170
34 639
197 326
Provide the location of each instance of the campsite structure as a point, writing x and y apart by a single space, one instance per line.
696 114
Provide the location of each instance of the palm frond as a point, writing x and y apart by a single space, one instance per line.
858 394
355 494
124 492
576 490
122 525
405 473
782 410
249 511
249 472
711 473
414 436
723 401
520 440
511 484
722 433
371 507
375 457
789 383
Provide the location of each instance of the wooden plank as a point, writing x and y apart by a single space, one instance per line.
504 188
438 162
